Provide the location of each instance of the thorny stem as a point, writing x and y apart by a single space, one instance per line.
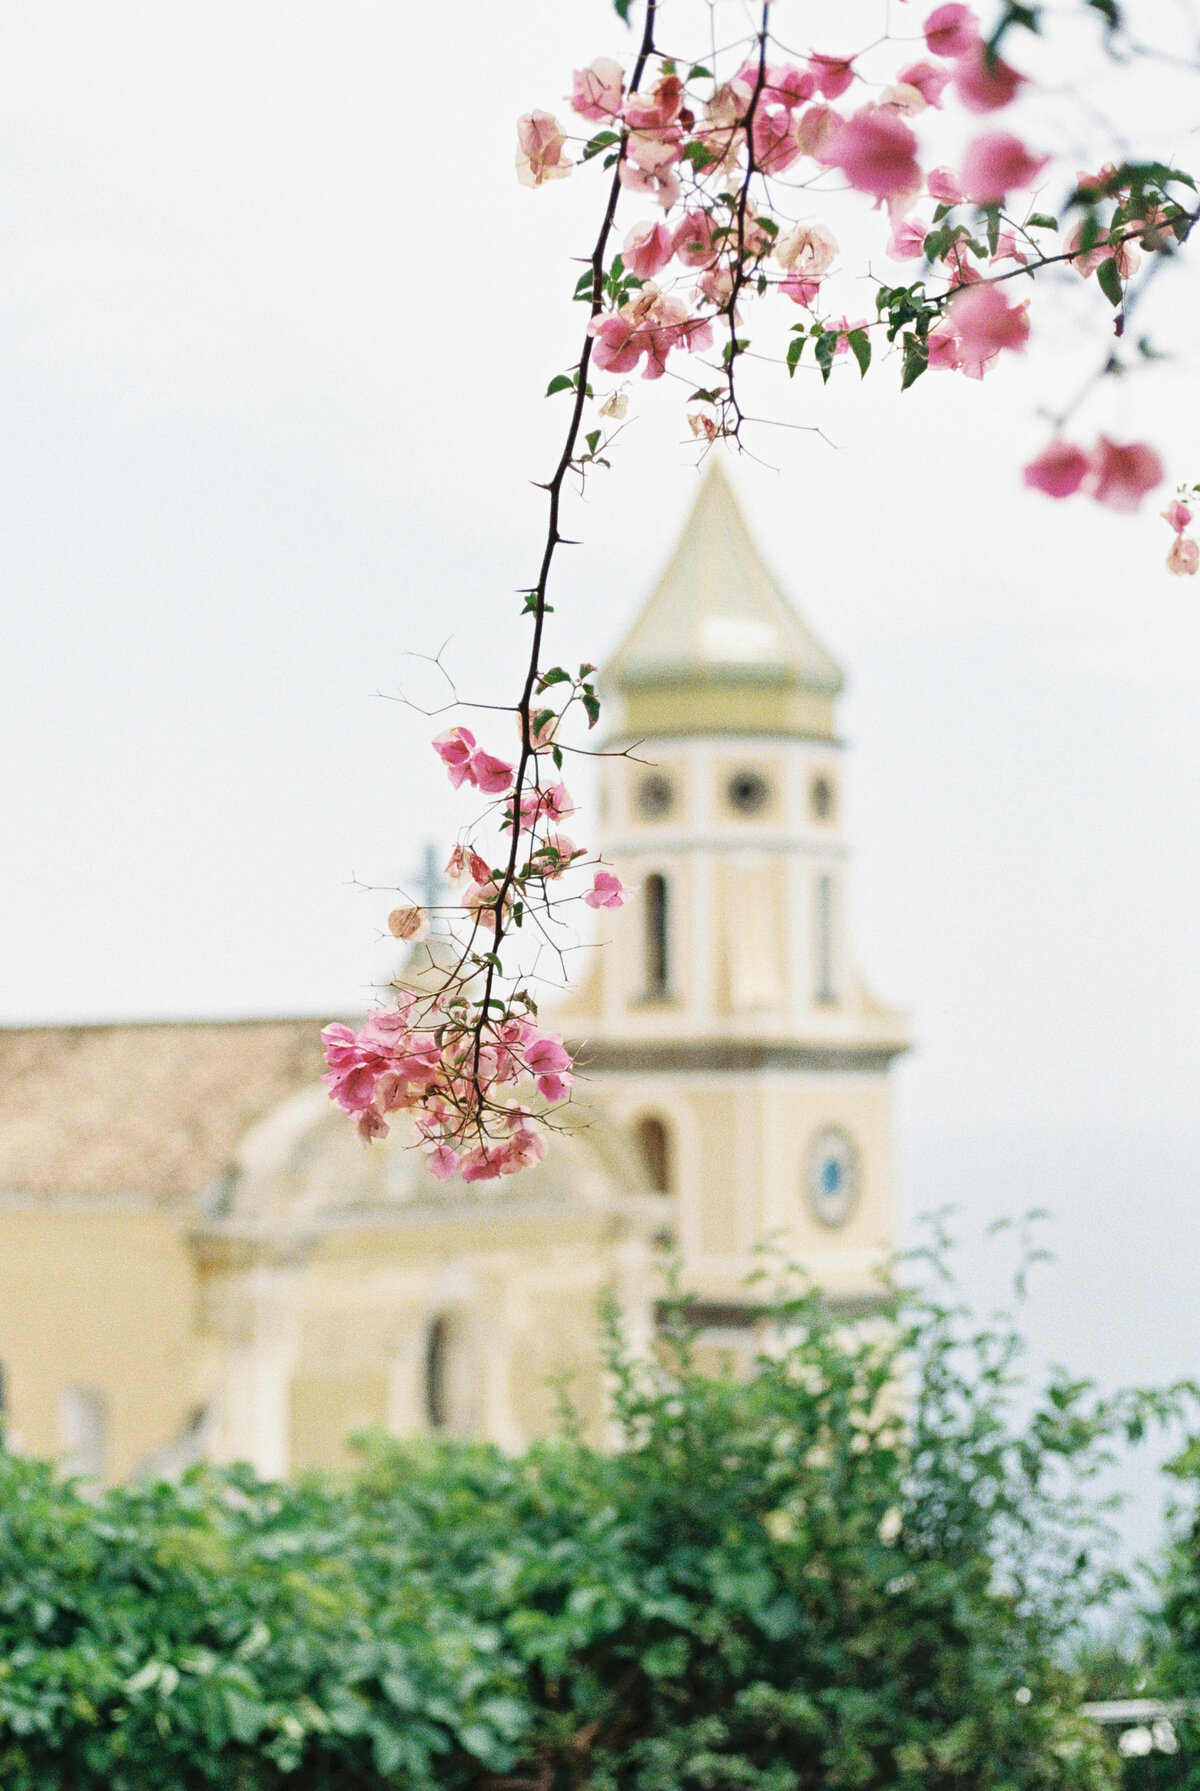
739 270
554 538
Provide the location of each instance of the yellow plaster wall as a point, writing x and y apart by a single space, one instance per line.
100 1299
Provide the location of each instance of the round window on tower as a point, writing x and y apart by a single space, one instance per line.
747 792
820 799
833 1176
655 796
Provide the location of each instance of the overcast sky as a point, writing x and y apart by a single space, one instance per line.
274 324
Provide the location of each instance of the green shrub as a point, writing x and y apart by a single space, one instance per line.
853 1568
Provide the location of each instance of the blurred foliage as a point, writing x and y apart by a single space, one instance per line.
859 1565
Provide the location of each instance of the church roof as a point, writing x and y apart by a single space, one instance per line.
155 1110
717 618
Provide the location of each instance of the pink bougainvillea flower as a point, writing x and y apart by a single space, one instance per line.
943 185
647 249
785 85
651 324
596 91
801 292
1008 249
483 1164
984 322
555 1086
950 31
1087 261
442 1162
902 98
694 239
994 164
929 80
546 1054
480 902
657 109
408 923
554 804
876 152
943 349
371 1124
774 138
1177 515
492 775
832 74
607 891
455 748
656 183
807 251
985 83
618 345
907 241
540 145
813 128
1123 472
1184 557
1059 470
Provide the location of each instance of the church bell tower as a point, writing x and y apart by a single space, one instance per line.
726 1027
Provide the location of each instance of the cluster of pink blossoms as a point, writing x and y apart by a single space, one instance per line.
696 158
451 1059
427 1061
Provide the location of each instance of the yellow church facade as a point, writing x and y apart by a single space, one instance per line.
254 1285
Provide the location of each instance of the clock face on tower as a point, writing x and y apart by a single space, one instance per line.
833 1176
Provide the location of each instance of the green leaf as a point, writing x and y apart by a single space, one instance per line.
795 349
1040 220
699 155
1109 281
556 675
992 214
826 347
622 10
592 705
593 440
860 348
562 382
916 359
602 140
698 72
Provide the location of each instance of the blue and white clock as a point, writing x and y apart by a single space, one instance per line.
834 1176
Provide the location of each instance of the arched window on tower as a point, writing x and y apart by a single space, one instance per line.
654 1144
656 918
452 1383
436 1351
825 923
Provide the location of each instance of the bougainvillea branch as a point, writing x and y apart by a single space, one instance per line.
741 166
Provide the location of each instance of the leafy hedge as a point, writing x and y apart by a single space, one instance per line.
772 1583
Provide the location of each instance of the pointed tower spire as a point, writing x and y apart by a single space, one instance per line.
718 649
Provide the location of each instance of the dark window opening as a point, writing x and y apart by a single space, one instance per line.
655 795
658 966
747 792
436 1353
820 797
655 1147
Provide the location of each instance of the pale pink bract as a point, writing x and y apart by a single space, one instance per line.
950 31
1058 471
994 164
607 891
